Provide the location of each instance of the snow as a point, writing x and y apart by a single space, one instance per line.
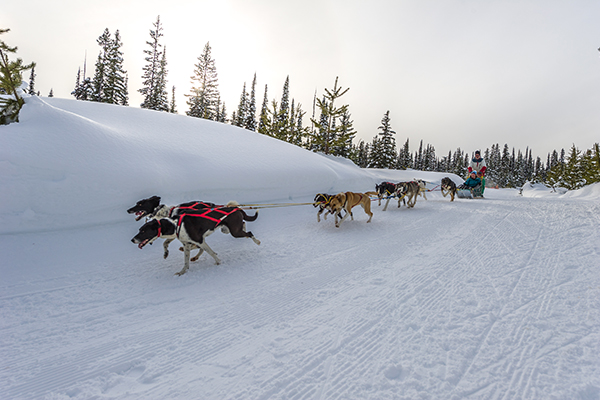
496 298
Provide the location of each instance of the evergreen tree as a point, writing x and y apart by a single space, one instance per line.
99 81
240 115
264 124
115 89
573 176
250 120
10 82
386 144
404 157
51 94
154 77
376 159
204 93
172 106
31 89
343 144
327 136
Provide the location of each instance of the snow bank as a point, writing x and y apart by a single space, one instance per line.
62 147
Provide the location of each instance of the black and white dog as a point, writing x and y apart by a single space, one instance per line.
151 208
386 190
192 228
323 202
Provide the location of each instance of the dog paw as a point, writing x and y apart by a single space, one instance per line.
165 255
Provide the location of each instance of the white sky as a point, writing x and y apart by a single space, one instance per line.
455 73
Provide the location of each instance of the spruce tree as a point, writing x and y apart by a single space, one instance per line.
31 88
204 93
327 135
240 115
99 93
404 157
154 77
386 144
172 106
10 82
250 120
115 88
263 119
573 175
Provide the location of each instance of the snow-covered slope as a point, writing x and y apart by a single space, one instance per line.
475 299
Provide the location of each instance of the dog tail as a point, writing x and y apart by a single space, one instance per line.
372 193
248 217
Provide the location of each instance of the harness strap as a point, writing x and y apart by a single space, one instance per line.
205 215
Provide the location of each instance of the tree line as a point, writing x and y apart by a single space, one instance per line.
329 128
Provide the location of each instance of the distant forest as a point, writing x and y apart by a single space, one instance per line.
329 128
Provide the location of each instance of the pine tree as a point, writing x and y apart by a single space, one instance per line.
240 115
31 89
204 93
154 78
115 91
327 135
264 124
99 81
573 176
404 157
386 144
250 120
172 106
282 116
10 82
346 134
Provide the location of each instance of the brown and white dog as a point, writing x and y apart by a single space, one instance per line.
347 201
449 188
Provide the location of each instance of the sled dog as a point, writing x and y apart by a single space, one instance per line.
348 200
192 229
448 188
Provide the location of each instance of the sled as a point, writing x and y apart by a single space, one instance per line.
474 193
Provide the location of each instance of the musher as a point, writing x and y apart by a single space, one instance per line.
478 165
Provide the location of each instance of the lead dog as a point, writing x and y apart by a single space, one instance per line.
151 208
347 201
193 228
449 187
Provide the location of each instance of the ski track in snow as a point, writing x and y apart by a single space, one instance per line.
476 299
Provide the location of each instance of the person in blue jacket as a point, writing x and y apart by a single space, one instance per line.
473 184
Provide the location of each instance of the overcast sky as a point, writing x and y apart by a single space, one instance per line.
454 73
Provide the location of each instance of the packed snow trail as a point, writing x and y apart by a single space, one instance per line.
495 299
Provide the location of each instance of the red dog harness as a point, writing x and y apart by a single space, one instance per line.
218 218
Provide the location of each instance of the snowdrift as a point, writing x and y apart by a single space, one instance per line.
62 147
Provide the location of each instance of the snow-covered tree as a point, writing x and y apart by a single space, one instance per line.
10 81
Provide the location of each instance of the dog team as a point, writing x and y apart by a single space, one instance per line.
191 223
